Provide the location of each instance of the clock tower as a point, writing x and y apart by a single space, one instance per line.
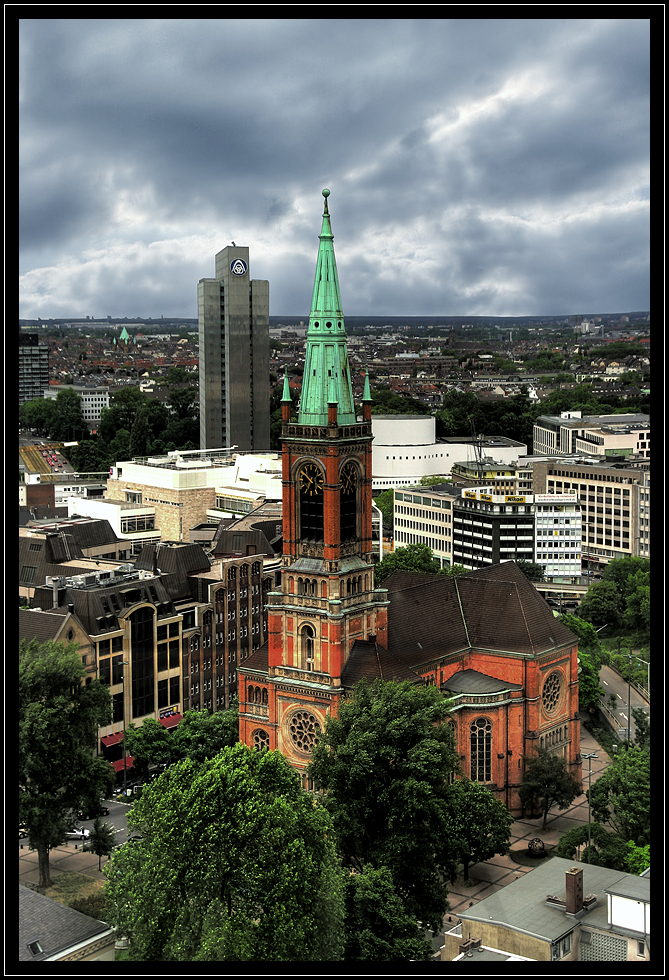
326 599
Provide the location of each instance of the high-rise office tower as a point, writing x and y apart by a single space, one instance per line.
33 367
233 322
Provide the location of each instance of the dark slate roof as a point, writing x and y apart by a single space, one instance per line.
56 927
474 682
41 626
368 659
236 541
495 608
89 601
177 561
259 660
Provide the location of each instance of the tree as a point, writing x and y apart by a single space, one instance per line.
235 861
386 504
642 726
150 744
621 795
101 840
638 858
38 414
585 631
481 823
590 691
58 728
377 924
547 780
606 850
600 605
383 764
531 570
413 558
68 421
201 736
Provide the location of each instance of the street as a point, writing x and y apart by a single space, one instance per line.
616 689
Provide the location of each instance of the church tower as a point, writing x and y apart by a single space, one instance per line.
326 599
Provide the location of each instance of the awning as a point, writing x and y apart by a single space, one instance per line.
109 740
118 765
171 721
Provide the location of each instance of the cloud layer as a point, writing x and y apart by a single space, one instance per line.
476 166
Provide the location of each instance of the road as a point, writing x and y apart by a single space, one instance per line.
614 685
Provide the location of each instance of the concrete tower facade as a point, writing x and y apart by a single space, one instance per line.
233 324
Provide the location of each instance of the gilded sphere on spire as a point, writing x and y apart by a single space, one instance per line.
326 192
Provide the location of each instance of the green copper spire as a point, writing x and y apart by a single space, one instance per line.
366 395
285 397
326 367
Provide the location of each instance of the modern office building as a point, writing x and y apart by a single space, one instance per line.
609 495
233 322
594 435
33 367
93 398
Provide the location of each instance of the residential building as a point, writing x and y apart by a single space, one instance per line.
486 638
33 367
93 398
562 911
233 324
598 435
405 449
51 931
424 515
609 505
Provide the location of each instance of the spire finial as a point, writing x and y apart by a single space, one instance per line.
326 194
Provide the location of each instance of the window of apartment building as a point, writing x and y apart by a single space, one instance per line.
162 657
117 707
163 691
105 671
141 624
117 669
174 690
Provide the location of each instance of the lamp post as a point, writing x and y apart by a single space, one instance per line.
629 695
589 756
125 770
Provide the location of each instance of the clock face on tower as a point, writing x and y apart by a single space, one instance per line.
349 476
311 480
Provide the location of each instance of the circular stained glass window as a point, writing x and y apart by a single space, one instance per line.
304 730
260 739
552 692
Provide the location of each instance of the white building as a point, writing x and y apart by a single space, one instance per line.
557 540
593 435
131 522
405 450
93 398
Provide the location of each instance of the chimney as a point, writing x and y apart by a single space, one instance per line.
574 890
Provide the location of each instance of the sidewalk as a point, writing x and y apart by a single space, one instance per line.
67 857
489 876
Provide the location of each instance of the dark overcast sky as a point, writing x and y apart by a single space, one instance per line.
475 166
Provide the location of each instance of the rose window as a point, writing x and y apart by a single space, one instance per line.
260 739
550 696
304 730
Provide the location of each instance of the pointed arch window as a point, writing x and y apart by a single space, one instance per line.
481 750
307 644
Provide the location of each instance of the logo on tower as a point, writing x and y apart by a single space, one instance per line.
238 267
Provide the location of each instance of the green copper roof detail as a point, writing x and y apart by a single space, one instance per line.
326 369
285 397
366 395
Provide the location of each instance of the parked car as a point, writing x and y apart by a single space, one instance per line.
77 833
22 833
101 811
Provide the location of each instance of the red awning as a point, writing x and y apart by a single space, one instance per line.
109 740
171 721
118 765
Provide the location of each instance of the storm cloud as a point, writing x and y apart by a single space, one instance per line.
475 166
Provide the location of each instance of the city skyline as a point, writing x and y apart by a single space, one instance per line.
481 167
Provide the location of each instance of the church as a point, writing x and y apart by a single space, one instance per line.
486 638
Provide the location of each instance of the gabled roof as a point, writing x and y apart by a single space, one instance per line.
176 562
367 659
56 927
495 608
41 626
259 660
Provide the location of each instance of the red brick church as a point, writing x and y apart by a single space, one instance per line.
487 638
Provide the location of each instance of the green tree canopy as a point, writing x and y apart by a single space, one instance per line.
638 858
481 824
412 558
377 924
101 841
149 744
606 850
601 605
383 763
58 727
621 795
547 781
531 570
235 862
201 736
